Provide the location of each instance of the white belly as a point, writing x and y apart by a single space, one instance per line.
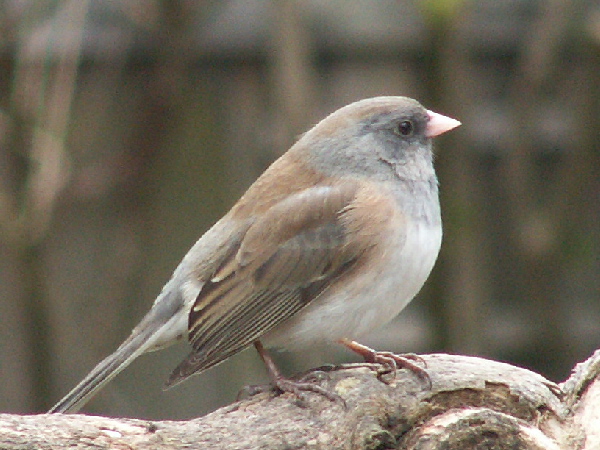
369 301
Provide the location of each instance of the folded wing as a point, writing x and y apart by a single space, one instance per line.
288 256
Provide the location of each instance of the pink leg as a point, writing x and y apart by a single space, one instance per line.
389 359
294 387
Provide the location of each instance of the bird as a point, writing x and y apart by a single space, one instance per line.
333 240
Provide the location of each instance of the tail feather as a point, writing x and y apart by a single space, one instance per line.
105 371
164 324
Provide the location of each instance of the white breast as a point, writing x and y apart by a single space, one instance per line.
369 300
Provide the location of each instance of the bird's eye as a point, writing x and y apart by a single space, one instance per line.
404 128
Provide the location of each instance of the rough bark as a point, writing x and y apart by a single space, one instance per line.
472 403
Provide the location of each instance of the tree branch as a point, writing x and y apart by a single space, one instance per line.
473 402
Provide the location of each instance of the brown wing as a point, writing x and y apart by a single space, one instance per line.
287 258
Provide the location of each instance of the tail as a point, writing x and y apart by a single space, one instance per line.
133 347
164 324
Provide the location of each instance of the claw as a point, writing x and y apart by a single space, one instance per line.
296 388
391 361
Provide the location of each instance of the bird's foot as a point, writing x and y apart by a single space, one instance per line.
390 362
307 383
298 388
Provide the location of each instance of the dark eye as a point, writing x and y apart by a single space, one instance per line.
404 128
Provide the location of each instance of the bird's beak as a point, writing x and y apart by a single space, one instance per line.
439 124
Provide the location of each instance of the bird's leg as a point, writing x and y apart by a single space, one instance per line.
294 387
390 360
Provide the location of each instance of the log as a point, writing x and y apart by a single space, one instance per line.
471 403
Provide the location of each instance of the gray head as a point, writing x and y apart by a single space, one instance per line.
384 138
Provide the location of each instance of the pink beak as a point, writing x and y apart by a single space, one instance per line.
439 124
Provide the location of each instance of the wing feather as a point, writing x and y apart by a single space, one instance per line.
287 257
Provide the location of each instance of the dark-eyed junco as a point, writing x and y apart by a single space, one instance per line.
333 240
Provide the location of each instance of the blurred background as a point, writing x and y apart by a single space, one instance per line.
128 127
